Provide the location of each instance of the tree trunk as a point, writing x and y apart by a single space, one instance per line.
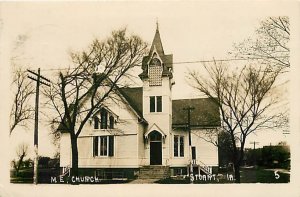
237 174
74 169
20 162
239 162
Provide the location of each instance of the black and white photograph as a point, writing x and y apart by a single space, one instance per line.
122 96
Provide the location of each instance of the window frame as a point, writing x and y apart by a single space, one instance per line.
96 121
103 119
153 104
181 146
111 122
152 100
157 105
175 146
178 146
103 139
110 146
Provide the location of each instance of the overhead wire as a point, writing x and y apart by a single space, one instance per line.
186 62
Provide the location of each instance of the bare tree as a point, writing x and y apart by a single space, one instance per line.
21 152
270 44
245 98
81 91
22 110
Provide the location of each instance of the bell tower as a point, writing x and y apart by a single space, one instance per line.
157 77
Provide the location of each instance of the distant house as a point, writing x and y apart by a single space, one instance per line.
145 134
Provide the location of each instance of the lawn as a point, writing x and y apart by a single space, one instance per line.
45 174
248 175
261 175
26 175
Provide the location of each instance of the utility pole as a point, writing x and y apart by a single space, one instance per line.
39 80
254 142
189 109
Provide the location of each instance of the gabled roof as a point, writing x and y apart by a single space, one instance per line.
167 60
134 97
205 114
156 128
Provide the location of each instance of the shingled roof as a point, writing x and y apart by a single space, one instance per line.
157 44
134 97
205 114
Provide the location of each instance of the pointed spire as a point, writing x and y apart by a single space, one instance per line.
157 42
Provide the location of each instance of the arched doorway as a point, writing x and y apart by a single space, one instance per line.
155 148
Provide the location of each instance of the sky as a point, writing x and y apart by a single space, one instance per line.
41 34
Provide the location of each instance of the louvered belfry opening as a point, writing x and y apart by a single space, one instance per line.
155 71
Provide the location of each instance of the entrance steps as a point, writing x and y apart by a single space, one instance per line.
154 172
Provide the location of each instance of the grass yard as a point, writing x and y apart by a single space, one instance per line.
261 175
26 175
248 175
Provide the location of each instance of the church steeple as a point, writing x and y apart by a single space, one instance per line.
160 64
156 43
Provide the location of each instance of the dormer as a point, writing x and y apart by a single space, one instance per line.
157 65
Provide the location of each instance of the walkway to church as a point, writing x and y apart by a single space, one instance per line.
143 181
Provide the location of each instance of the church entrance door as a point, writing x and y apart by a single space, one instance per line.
155 148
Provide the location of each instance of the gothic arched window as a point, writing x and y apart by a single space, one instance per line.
111 122
96 122
103 118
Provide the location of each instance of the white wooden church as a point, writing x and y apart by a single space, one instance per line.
146 134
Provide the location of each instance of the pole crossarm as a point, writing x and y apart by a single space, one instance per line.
44 83
36 74
39 80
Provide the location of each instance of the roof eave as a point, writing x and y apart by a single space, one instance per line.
195 126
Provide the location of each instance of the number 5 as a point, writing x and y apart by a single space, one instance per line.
277 176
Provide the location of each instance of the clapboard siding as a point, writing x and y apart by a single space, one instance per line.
206 151
125 153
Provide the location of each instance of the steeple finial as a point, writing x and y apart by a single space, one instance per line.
156 43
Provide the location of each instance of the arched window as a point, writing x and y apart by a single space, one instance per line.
111 122
155 72
103 118
96 122
155 136
155 62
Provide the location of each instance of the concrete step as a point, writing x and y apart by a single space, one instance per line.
154 172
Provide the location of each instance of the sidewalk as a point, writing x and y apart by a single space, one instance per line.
144 181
